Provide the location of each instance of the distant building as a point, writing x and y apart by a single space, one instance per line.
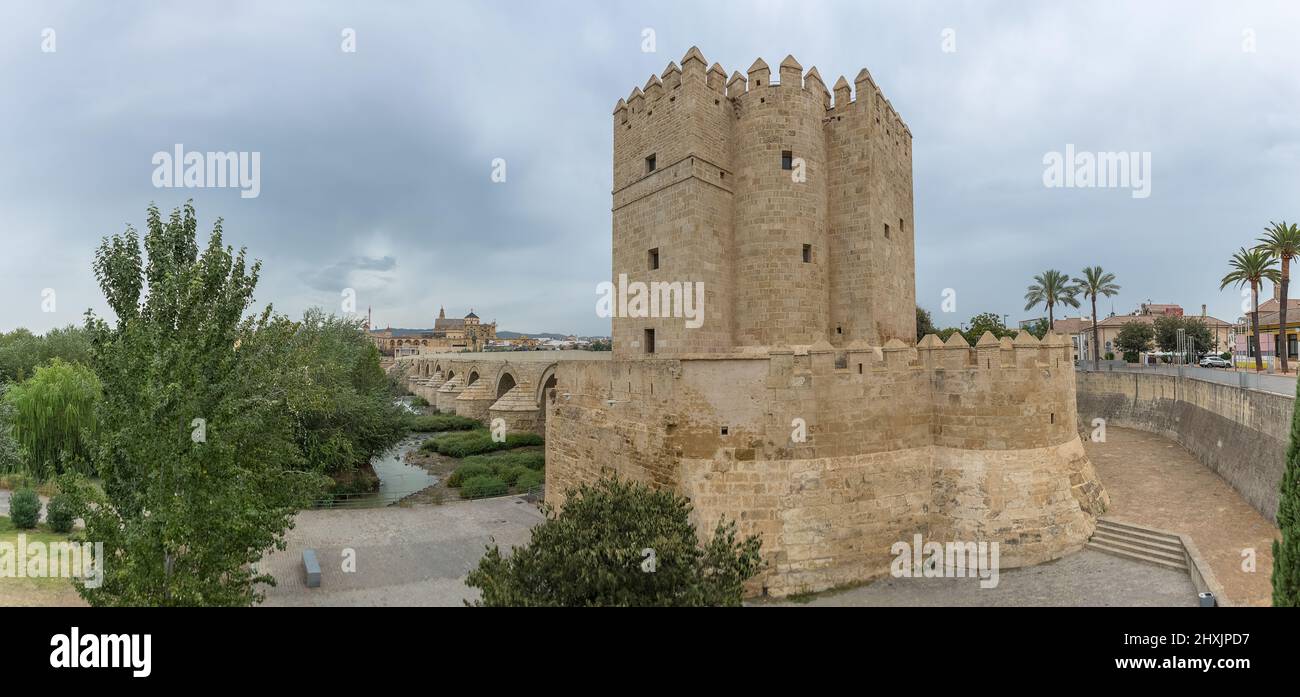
1269 329
465 334
1221 332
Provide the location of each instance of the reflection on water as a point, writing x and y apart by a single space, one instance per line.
398 479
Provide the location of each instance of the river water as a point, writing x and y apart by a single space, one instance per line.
397 480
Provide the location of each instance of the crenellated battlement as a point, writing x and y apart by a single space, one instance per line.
863 94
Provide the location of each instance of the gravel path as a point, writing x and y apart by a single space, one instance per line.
415 555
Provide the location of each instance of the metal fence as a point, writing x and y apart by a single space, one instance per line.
380 500
1245 379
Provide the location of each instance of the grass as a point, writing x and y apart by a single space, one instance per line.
34 591
477 442
430 423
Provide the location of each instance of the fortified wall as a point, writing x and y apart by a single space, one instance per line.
952 442
1241 434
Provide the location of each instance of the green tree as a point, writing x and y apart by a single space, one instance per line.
924 323
1134 338
1281 241
342 411
1096 282
986 322
12 458
593 553
21 351
1051 288
1251 267
201 474
1194 331
1286 551
54 418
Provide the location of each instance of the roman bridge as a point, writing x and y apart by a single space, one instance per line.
511 385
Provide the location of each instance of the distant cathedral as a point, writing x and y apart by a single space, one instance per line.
448 335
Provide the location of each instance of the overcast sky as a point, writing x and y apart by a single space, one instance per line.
376 164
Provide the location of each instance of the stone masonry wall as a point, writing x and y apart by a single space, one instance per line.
976 444
1241 434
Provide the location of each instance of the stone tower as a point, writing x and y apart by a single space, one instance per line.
793 208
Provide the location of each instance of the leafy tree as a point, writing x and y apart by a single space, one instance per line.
1051 288
342 411
924 324
1096 282
1194 330
54 418
201 473
1251 268
12 458
1134 338
21 351
1286 551
592 554
987 322
1281 241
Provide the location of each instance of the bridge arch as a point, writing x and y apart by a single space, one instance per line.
505 382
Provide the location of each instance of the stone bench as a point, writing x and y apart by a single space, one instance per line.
312 567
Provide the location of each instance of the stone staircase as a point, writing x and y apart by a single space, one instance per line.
1136 542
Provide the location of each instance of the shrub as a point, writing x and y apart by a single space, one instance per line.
1225 356
482 486
530 480
25 509
532 459
479 441
427 423
510 475
590 554
469 470
1110 355
59 514
418 401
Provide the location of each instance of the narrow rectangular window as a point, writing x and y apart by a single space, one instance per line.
649 341
901 227
886 230
807 254
650 164
787 159
653 259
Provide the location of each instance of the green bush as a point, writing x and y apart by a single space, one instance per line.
428 423
1110 355
511 475
591 554
1225 356
25 509
479 441
532 459
59 514
530 480
482 486
469 470
418 401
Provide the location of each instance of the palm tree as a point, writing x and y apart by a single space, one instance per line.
1281 241
1096 282
1251 267
1051 288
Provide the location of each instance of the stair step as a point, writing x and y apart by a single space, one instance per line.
1175 549
1170 555
1138 530
1118 552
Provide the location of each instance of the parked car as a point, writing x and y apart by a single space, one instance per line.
1215 362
